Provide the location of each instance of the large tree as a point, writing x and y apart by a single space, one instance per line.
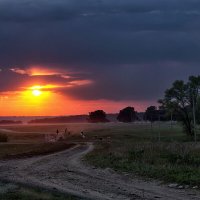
181 98
127 114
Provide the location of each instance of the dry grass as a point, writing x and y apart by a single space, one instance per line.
15 192
10 151
137 150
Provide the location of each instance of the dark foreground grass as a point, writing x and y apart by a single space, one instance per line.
171 160
3 137
13 151
22 193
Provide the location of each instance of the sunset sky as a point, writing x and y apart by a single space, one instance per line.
61 57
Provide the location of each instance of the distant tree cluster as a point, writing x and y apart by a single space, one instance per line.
181 103
128 114
153 114
97 116
10 122
64 119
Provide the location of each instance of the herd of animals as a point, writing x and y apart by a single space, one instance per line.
61 136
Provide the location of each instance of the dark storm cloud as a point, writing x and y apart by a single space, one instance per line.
130 49
39 10
140 82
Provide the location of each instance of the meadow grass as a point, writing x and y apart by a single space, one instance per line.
163 153
25 193
13 151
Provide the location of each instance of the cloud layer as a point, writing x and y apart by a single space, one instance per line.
128 50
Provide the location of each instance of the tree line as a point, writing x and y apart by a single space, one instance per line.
180 103
129 114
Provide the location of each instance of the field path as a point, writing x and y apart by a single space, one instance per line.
65 172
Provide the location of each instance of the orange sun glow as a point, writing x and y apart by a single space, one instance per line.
36 93
36 90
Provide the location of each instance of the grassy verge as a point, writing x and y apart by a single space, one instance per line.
13 192
171 160
12 151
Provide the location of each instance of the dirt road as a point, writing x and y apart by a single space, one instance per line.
65 172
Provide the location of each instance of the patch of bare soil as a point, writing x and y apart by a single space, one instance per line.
65 172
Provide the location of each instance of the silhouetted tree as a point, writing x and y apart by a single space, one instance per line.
151 114
180 99
97 116
128 114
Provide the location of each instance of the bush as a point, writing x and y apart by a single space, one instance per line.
3 137
97 116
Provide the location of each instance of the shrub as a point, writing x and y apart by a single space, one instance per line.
3 137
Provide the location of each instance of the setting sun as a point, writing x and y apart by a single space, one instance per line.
36 93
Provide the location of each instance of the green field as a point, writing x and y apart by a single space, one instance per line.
162 152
